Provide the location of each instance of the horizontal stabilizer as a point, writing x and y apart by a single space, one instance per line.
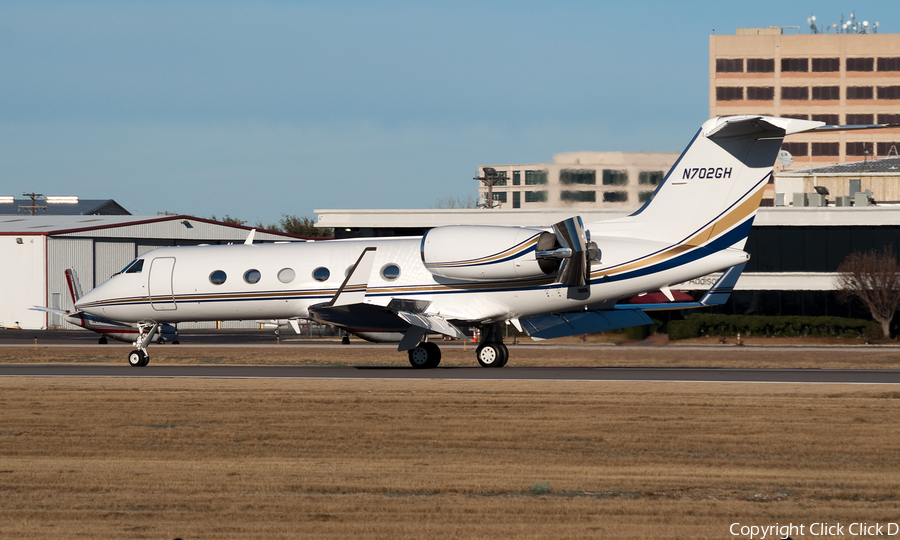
582 322
718 294
431 323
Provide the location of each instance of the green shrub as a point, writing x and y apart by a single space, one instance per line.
711 324
686 329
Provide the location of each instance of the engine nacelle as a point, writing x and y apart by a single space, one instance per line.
486 253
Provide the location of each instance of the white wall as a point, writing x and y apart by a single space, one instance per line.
22 281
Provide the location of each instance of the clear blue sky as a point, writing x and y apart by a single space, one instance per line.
258 109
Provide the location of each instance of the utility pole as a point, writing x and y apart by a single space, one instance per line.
490 178
34 207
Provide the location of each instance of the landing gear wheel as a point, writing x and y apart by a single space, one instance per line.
492 354
175 342
138 358
425 356
102 340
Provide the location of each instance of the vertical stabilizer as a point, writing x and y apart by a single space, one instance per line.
74 285
716 185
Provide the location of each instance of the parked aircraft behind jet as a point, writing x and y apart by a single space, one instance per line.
105 327
549 282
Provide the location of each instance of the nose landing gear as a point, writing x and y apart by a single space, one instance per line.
139 357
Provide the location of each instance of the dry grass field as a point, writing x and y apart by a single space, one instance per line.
166 458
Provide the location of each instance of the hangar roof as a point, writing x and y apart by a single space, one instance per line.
188 227
84 207
889 165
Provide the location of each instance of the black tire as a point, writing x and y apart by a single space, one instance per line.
175 342
137 358
425 356
505 358
102 340
492 354
345 340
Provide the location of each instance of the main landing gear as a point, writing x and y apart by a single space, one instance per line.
491 352
139 357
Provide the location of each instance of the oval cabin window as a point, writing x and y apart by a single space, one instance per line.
321 274
286 275
252 276
390 272
218 277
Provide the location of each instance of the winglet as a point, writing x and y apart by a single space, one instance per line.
718 294
353 289
249 240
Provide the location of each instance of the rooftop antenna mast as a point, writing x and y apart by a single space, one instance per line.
34 207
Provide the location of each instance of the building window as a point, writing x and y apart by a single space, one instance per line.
889 92
578 176
825 149
535 196
860 149
578 196
645 196
517 199
830 119
760 93
650 178
534 178
860 92
517 178
826 93
500 196
889 149
795 64
500 180
796 116
860 64
615 196
820 65
856 119
797 149
889 118
614 177
729 65
760 65
889 64
796 93
729 93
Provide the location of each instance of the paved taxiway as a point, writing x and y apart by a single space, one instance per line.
461 373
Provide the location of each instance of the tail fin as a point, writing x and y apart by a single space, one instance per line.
74 285
714 189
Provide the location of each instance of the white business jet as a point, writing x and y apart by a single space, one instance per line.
546 281
105 327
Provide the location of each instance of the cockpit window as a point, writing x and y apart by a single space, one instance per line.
135 267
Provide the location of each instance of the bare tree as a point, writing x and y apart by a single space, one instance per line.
451 202
228 219
874 278
303 226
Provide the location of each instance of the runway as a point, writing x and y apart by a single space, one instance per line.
834 376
